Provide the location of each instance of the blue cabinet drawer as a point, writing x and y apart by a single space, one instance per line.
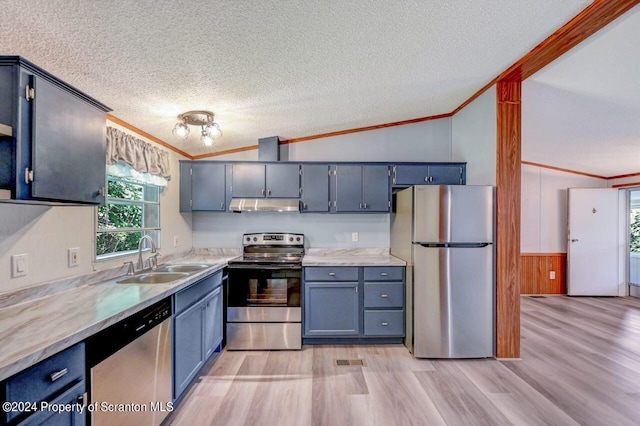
384 323
328 273
383 273
384 295
73 398
47 378
193 293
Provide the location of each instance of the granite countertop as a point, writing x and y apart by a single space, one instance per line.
350 257
44 321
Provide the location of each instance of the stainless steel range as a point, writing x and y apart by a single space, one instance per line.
263 294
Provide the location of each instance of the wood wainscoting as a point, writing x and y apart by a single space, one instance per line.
535 273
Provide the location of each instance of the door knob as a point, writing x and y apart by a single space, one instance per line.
574 240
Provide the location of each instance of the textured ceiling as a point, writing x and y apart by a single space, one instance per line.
275 67
582 112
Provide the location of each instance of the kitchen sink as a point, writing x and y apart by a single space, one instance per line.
154 278
187 267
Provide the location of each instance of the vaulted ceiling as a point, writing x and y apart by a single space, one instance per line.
290 68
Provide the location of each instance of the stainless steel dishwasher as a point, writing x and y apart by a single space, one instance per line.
130 369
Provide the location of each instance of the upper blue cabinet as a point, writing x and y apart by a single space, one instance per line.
428 174
271 180
57 148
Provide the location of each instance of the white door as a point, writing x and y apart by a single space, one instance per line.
592 249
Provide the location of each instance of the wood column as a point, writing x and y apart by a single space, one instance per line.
508 219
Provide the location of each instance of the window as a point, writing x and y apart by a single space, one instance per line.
132 210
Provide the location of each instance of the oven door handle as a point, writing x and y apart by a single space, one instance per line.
267 267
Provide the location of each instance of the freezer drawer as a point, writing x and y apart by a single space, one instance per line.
384 323
453 303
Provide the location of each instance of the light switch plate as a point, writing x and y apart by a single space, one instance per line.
74 256
19 265
355 236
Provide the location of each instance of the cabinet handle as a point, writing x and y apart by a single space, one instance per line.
356 289
304 206
221 205
384 296
262 191
365 206
268 192
332 274
430 178
361 206
58 374
384 274
384 324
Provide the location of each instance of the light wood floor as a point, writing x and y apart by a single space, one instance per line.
580 365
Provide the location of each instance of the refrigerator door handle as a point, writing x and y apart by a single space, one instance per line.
453 245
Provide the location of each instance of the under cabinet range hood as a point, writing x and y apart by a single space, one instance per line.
265 205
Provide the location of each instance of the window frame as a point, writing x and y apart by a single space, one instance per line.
144 230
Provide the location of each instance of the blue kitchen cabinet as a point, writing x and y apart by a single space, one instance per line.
271 180
315 188
57 150
350 303
185 186
59 379
212 322
331 309
428 174
197 329
361 188
189 347
208 186
248 181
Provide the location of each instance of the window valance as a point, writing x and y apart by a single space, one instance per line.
140 155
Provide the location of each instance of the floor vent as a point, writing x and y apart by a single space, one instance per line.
344 362
538 297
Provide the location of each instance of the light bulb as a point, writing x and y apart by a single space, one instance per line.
181 131
213 129
206 138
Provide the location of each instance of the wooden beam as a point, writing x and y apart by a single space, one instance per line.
560 169
508 176
228 151
592 19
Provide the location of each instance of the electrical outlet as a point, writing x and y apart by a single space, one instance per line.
19 265
73 255
175 241
355 236
552 275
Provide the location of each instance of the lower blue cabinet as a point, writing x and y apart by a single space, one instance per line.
197 329
331 309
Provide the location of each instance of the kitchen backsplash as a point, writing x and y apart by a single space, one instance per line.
321 230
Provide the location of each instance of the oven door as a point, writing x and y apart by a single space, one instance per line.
254 290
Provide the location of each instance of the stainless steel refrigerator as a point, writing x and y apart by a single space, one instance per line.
445 234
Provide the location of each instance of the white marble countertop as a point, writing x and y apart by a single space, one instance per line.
350 257
38 327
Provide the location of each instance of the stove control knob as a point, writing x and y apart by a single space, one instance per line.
290 238
248 238
297 238
255 239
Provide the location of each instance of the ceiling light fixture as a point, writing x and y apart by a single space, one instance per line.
204 119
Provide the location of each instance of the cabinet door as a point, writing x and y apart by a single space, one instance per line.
331 309
69 398
375 188
212 322
445 175
207 186
189 348
185 187
283 180
410 174
315 188
68 146
348 188
248 181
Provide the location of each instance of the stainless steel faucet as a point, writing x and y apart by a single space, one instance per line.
153 262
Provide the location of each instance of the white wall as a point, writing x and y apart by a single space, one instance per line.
544 207
425 141
474 135
45 233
